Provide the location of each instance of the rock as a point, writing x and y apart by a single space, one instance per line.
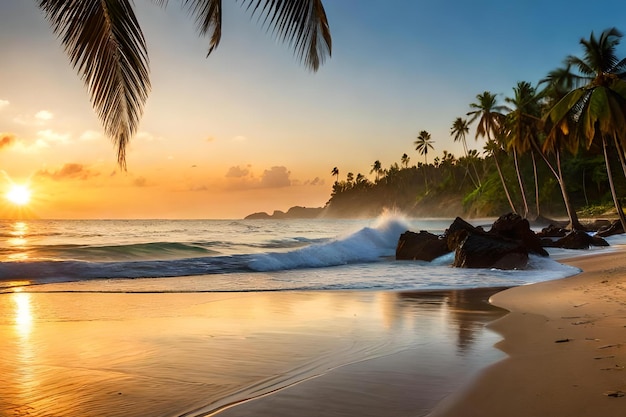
458 231
423 246
488 251
258 216
552 231
577 239
513 226
614 228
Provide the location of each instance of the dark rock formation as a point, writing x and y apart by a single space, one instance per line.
295 212
614 228
552 231
515 227
505 246
577 239
423 246
488 251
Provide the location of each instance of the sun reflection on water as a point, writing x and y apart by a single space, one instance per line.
23 313
18 242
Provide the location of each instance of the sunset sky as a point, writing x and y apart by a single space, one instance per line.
250 129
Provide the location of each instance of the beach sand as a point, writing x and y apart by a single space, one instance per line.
566 347
102 353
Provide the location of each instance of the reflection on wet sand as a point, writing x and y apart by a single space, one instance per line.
120 354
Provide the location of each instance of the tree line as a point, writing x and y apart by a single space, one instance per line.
553 146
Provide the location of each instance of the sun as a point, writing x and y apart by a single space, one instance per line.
19 194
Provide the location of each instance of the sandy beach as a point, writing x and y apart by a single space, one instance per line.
566 347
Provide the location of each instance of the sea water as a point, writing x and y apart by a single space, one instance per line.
243 255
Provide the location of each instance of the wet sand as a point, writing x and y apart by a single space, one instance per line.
294 353
566 347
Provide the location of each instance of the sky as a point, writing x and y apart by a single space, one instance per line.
249 128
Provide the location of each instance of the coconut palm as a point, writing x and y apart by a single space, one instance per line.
459 130
523 123
376 168
490 125
596 111
422 144
335 172
405 160
106 45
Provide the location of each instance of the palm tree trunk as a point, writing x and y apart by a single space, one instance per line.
620 153
532 155
521 183
618 205
574 223
506 190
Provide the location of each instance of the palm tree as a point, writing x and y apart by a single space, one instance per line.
106 45
459 129
493 148
596 111
422 144
559 83
335 172
405 160
376 168
349 178
490 123
523 127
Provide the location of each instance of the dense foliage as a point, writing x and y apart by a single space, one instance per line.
548 151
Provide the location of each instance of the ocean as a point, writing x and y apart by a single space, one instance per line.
163 318
242 256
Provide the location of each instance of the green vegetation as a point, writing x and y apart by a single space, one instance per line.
550 151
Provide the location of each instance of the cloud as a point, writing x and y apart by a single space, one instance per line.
239 138
39 119
237 172
275 177
6 139
44 115
90 136
210 139
3 103
50 137
68 171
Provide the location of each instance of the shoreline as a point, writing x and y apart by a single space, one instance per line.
565 342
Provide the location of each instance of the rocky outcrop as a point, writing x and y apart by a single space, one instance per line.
505 246
515 227
423 246
295 212
576 239
487 251
611 229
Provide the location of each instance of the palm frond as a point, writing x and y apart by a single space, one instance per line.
301 23
105 43
208 17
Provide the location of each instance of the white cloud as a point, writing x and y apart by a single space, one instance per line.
39 119
90 136
51 137
3 103
44 115
34 147
240 138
